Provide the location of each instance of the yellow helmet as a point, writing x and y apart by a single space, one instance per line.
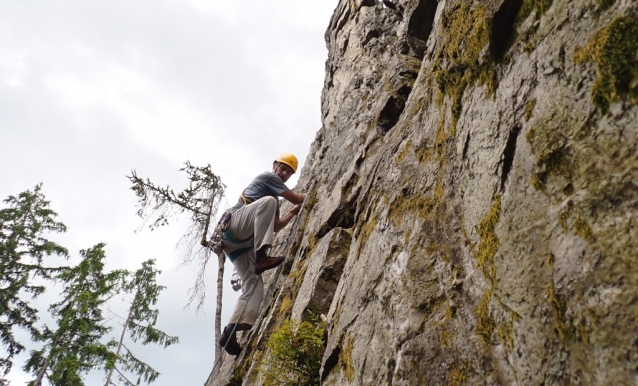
288 159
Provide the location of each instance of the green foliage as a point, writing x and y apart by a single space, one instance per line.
614 49
200 201
140 323
160 204
74 347
23 248
296 349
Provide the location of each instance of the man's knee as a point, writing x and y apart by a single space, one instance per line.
268 201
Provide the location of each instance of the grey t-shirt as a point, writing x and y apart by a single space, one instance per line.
265 184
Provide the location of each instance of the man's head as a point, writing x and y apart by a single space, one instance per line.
285 166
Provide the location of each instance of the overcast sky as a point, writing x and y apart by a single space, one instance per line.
90 90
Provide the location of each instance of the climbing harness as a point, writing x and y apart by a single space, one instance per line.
221 230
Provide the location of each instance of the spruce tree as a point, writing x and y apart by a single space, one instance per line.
23 224
200 201
140 323
74 346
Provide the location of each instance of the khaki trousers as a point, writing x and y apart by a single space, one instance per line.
257 220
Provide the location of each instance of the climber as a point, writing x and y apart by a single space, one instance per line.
253 222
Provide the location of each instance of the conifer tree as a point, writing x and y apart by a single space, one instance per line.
140 323
23 247
200 201
74 347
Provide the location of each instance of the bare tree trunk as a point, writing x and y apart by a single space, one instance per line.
218 308
43 370
119 347
56 341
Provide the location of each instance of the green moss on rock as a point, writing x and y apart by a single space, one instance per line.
614 49
345 358
485 324
489 241
529 6
466 31
401 156
605 4
529 110
415 203
558 311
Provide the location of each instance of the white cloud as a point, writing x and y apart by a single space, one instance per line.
91 90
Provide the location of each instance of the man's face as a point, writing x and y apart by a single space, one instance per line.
282 170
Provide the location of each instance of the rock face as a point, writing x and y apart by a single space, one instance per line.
473 215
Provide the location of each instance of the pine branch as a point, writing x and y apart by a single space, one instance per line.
123 377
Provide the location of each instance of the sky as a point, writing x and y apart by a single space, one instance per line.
90 91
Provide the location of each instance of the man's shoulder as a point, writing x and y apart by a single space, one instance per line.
265 176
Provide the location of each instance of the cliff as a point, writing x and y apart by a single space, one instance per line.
474 198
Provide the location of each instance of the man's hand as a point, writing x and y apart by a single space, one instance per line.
295 198
295 209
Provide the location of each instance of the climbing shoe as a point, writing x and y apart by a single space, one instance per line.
229 342
264 262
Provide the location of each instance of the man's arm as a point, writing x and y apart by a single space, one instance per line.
281 222
295 198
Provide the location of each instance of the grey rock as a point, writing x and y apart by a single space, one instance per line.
479 235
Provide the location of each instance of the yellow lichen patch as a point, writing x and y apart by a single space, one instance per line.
582 229
529 6
506 335
285 306
404 152
450 311
579 225
299 275
466 32
485 324
489 241
312 244
549 259
438 189
366 231
422 152
312 201
432 306
549 146
440 138
307 210
529 110
345 358
406 236
447 338
537 182
562 220
558 311
416 203
613 48
605 4
458 374
431 249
